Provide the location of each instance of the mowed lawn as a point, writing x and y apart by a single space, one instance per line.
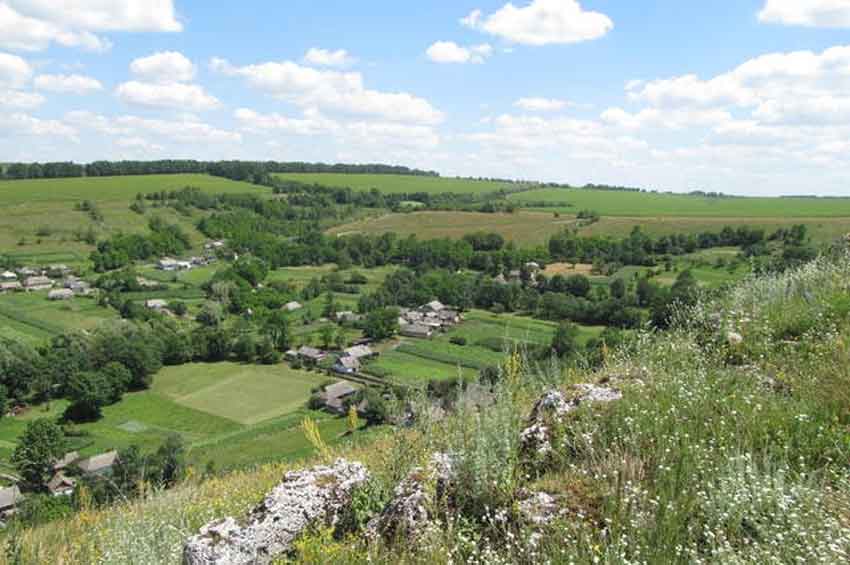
394 184
246 394
33 206
625 203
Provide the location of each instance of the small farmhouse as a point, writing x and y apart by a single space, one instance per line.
61 485
8 276
346 365
10 286
38 282
311 354
292 306
98 465
60 294
66 460
335 396
156 304
9 500
360 352
419 331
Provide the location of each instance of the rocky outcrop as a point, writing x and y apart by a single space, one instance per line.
314 496
539 509
550 410
410 511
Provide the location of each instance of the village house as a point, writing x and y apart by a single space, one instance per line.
79 288
66 461
360 352
98 465
9 500
347 317
38 282
8 276
28 272
170 265
346 365
311 355
156 304
10 286
292 306
60 294
334 396
434 306
217 244
58 271
419 331
61 485
147 283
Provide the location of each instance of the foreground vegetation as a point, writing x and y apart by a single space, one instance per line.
731 445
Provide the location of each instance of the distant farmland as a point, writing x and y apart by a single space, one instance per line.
393 184
623 203
39 217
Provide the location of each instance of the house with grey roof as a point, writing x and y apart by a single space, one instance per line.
66 460
98 465
360 352
420 331
335 396
311 354
38 282
346 365
61 485
10 286
61 294
9 500
292 306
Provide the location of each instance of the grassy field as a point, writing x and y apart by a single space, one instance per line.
235 415
394 184
488 336
616 203
522 227
46 206
536 227
247 394
33 318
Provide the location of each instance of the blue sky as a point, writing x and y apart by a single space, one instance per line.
739 96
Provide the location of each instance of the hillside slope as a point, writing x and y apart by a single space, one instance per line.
730 444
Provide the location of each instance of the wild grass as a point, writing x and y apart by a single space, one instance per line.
724 449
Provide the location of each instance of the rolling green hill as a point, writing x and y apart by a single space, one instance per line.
393 184
623 203
39 216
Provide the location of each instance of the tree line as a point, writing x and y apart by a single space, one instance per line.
237 170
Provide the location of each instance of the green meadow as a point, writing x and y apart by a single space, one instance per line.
648 204
39 218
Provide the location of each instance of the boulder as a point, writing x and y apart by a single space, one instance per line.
539 508
314 496
409 513
550 410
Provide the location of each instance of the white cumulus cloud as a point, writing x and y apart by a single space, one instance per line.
330 91
328 58
33 25
175 95
451 52
165 66
20 99
67 84
542 22
535 104
15 72
809 13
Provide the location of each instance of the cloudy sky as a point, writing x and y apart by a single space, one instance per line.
739 96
